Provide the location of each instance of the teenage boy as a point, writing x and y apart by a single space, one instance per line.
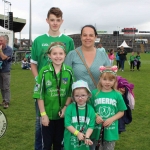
39 59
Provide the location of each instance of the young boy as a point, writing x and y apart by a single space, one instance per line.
39 59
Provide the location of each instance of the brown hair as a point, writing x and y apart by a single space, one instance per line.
55 11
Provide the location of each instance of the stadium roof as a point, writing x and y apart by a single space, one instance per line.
18 23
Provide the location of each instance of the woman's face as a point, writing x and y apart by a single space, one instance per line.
88 37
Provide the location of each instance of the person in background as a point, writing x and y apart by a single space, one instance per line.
39 59
109 106
132 59
53 92
77 131
5 63
101 48
111 56
138 57
122 55
117 59
88 54
25 64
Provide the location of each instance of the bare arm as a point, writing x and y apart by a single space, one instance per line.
109 121
79 135
64 108
34 69
45 119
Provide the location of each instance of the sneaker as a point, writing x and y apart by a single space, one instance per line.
2 104
122 70
6 105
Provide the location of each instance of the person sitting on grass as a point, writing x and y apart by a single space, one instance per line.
25 64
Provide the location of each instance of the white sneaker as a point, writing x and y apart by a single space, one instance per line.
122 70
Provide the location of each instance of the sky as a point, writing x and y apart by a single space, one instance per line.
105 15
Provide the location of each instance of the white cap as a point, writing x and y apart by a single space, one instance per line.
80 84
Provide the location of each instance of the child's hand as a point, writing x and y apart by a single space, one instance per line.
99 119
108 122
80 136
45 120
62 112
88 141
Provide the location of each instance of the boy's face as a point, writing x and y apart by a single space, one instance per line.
54 22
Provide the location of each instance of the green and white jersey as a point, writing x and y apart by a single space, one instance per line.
46 89
71 141
40 47
106 105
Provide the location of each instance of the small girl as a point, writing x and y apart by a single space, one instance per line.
132 58
111 56
54 95
109 107
79 119
138 57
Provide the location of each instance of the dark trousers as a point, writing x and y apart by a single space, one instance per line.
138 65
53 134
132 64
118 64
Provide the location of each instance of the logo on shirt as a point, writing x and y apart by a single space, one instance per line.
64 80
3 123
45 44
48 83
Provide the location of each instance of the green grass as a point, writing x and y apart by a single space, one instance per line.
21 113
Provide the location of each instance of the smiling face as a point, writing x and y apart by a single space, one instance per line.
57 55
54 22
88 37
80 95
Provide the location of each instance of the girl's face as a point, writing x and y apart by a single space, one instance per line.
88 37
107 83
57 55
81 96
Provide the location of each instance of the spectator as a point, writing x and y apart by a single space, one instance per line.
117 59
122 55
111 56
5 61
101 48
132 58
138 57
25 64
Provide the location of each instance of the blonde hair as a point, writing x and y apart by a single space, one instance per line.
56 44
107 75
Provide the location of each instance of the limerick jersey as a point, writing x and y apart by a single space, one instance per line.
106 105
47 91
41 44
71 141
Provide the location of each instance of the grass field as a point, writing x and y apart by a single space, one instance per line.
21 113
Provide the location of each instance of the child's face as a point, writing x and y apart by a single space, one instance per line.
107 83
81 96
57 55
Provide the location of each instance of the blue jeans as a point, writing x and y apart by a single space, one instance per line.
122 64
38 129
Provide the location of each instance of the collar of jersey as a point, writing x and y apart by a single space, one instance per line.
52 69
54 36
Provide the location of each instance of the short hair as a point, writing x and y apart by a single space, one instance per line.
55 11
90 26
5 37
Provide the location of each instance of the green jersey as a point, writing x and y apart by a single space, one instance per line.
71 141
40 47
106 105
47 90
132 58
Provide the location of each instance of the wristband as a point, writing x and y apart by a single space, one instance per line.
65 105
36 78
76 132
43 113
